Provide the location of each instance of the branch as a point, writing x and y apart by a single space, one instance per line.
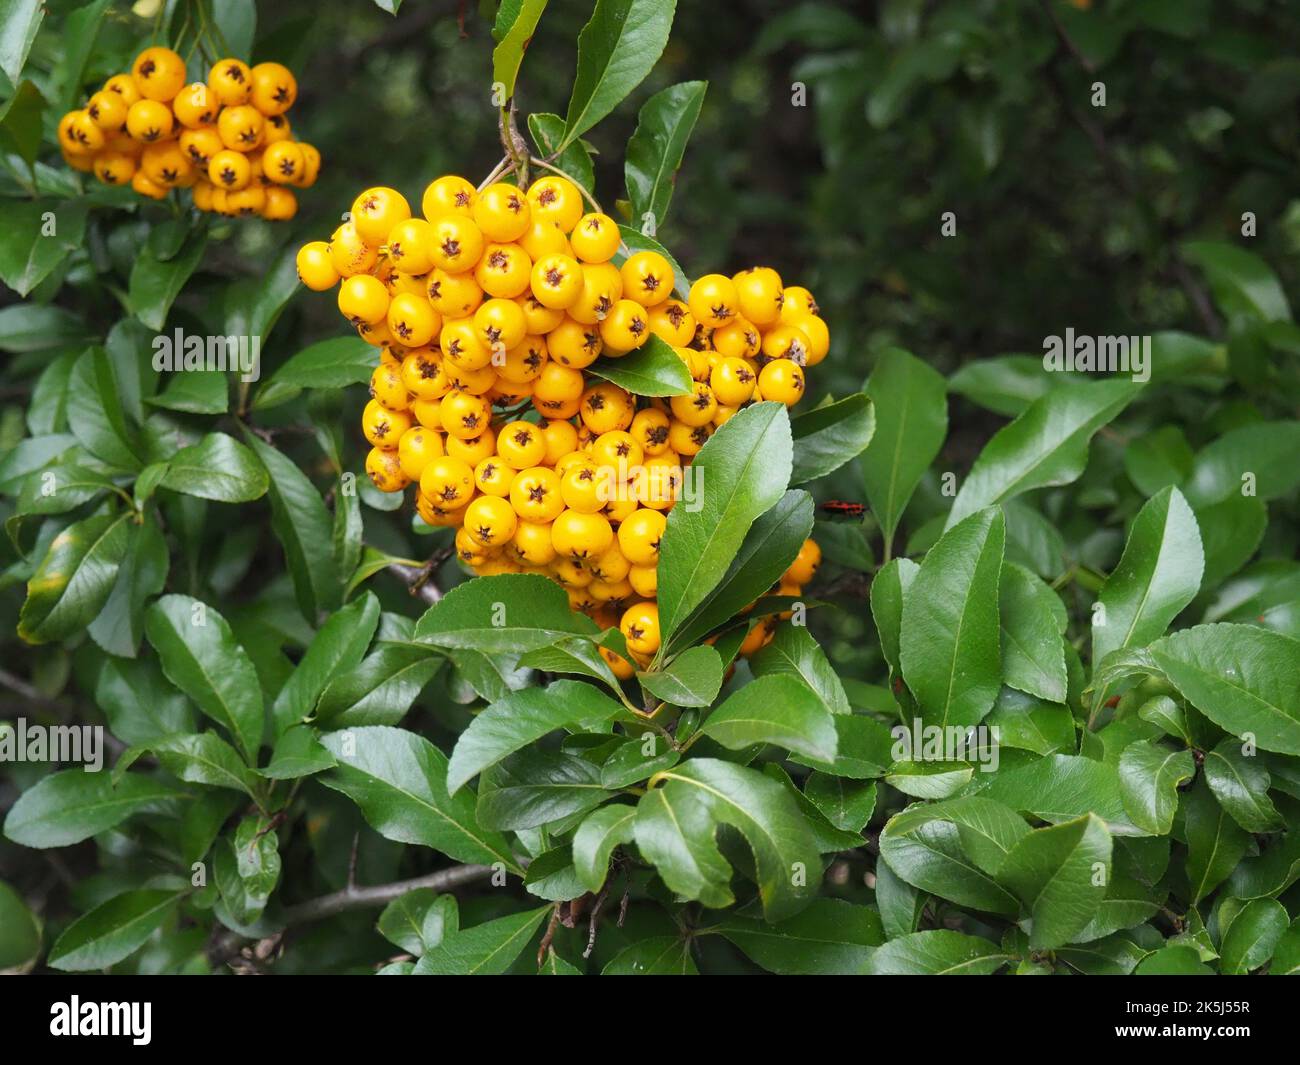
228 944
417 581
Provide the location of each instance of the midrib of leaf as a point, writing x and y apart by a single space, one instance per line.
528 927
53 818
968 963
230 717
1241 782
807 678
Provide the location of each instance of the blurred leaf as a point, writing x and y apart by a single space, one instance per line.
155 283
113 930
1242 282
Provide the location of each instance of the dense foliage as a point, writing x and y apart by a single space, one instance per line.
1038 712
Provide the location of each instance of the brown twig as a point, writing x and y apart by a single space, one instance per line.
228 944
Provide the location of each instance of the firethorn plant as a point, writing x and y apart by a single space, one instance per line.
522 675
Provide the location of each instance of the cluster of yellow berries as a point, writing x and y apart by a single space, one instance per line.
227 141
497 301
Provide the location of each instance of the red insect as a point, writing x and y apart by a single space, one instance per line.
840 508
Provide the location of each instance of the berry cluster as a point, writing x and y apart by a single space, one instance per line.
228 141
498 300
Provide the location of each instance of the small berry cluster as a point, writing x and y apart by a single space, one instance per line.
498 300
227 141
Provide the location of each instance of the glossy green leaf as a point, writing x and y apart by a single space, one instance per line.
1033 654
399 780
653 369
65 808
75 579
746 466
1149 778
597 836
1060 875
779 709
831 937
655 151
1241 784
507 612
937 953
1252 937
217 468
831 435
911 406
949 644
1046 445
201 657
693 678
616 50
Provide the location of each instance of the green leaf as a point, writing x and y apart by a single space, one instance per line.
304 529
937 953
1061 788
337 648
779 709
155 283
888 589
1149 778
746 466
1286 955
830 938
521 718
1214 842
201 657
297 753
1243 678
514 29
140 704
204 758
863 747
1253 460
65 808
484 950
334 363
828 436
399 780
951 849
1004 384
195 392
1046 445
616 50
693 678
20 933
597 836
911 405
1158 574
1242 282
113 930
655 151
419 920
846 804
378 690
1241 784
575 161
570 654
771 544
509 612
1252 937
38 235
1033 653
655 956
1231 531
534 787
677 821
20 126
75 579
95 413
1173 961
653 369
795 652
949 640
19 21
1158 459
1060 874
1031 724
217 468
